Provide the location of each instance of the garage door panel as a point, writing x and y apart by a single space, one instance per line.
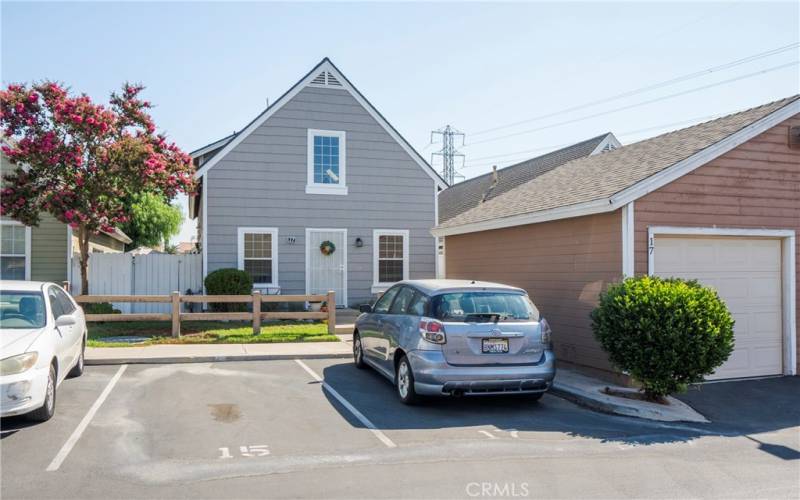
730 289
764 324
766 255
765 357
729 256
698 254
747 275
766 288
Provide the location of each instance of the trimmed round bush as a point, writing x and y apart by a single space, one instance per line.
665 333
99 308
228 281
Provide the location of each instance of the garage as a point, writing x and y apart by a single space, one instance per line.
747 273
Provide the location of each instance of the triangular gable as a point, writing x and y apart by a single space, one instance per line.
324 74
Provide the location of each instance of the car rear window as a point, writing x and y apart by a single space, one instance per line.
21 309
484 307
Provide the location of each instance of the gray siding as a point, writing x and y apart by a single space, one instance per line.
49 250
261 183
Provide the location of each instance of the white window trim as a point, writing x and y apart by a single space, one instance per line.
378 286
27 254
315 188
240 251
628 228
788 274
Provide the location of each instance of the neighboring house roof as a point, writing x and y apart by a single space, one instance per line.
117 234
605 182
144 251
212 147
186 247
466 195
325 70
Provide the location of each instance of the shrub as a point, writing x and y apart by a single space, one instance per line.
666 333
100 308
229 282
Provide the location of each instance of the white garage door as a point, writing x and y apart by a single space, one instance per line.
747 275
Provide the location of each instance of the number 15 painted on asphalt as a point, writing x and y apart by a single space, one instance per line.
256 450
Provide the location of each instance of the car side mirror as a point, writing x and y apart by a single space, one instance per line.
65 320
365 308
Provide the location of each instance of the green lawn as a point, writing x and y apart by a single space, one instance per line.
208 332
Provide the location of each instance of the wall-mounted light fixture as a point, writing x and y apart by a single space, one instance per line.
359 243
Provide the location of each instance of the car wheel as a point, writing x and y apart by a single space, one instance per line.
404 382
48 409
77 370
358 351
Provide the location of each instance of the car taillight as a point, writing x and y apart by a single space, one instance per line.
432 330
547 333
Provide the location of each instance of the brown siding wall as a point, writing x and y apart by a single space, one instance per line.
562 264
755 185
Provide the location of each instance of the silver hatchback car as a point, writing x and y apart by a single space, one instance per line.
455 337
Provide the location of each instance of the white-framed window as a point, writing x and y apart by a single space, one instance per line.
389 257
327 169
15 251
258 254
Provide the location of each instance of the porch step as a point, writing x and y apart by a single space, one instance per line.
344 328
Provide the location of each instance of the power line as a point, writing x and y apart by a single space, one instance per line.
629 48
648 88
642 103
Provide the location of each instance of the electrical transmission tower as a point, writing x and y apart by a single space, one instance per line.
448 152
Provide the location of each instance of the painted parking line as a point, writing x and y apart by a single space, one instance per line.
352 409
76 434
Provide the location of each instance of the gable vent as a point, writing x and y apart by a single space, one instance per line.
325 79
319 80
332 81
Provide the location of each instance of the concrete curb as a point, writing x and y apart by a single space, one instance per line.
586 391
209 359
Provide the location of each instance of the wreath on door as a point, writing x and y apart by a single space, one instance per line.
327 247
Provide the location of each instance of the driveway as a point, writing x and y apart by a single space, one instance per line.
323 429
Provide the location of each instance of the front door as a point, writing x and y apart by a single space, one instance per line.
326 263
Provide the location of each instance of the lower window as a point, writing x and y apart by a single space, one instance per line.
13 251
258 254
390 256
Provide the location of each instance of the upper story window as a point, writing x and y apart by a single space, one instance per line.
15 251
326 162
258 254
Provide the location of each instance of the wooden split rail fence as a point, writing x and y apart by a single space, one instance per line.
176 316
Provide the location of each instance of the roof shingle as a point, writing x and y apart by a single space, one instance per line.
466 195
603 175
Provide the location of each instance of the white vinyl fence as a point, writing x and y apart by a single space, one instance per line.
152 274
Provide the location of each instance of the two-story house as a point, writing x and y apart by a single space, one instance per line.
319 192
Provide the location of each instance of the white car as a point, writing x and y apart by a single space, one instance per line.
42 341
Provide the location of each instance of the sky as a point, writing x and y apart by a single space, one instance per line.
519 79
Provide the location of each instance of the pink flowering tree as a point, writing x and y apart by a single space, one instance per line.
83 162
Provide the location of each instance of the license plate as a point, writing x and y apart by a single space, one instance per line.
494 346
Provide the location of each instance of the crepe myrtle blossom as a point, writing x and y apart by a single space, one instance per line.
82 162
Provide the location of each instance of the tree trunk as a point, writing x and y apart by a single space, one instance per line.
83 246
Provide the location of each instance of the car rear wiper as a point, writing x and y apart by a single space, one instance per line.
495 317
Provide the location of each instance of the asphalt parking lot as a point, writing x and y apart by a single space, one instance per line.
323 429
